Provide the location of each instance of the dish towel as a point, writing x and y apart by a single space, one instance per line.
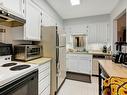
115 86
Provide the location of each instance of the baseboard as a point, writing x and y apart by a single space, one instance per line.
95 75
78 77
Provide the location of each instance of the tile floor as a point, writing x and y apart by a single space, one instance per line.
71 87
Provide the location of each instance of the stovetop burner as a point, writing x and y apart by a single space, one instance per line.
19 67
8 64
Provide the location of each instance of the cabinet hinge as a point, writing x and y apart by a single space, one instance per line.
23 2
23 11
41 13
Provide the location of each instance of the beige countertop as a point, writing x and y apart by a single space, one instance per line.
39 61
91 52
113 69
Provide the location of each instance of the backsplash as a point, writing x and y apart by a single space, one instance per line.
9 37
91 46
97 46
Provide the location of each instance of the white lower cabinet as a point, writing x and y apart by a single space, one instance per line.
79 63
44 79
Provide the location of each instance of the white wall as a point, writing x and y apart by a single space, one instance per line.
120 7
8 37
88 20
79 23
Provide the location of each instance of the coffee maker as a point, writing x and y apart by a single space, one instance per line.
119 56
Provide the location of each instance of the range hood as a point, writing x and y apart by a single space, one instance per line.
8 18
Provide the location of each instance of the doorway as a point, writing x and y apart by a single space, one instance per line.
121 27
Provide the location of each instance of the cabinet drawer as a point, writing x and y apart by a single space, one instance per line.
86 57
44 84
77 56
70 56
43 74
46 91
44 67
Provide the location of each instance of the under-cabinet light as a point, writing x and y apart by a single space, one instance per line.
75 2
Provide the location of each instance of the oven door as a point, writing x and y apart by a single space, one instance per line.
27 85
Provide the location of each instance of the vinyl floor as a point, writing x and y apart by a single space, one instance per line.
71 87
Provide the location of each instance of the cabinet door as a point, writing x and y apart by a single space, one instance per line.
92 33
13 5
102 31
84 66
98 33
33 22
67 64
44 78
71 62
44 18
72 65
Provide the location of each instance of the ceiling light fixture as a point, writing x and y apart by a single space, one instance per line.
75 2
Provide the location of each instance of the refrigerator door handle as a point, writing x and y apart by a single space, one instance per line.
57 60
57 38
57 55
58 69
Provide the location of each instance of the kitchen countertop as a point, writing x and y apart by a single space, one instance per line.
39 61
113 69
91 52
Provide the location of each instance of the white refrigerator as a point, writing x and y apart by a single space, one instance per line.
54 46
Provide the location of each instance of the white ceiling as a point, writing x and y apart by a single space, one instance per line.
86 8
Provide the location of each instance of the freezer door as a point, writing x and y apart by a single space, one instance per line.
61 66
60 37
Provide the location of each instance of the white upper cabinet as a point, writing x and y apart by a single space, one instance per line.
98 33
92 33
17 6
33 22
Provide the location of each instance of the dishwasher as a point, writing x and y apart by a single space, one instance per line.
95 65
102 76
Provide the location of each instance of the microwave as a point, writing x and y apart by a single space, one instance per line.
27 52
6 49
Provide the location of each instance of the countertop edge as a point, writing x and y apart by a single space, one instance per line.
39 61
113 69
90 53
